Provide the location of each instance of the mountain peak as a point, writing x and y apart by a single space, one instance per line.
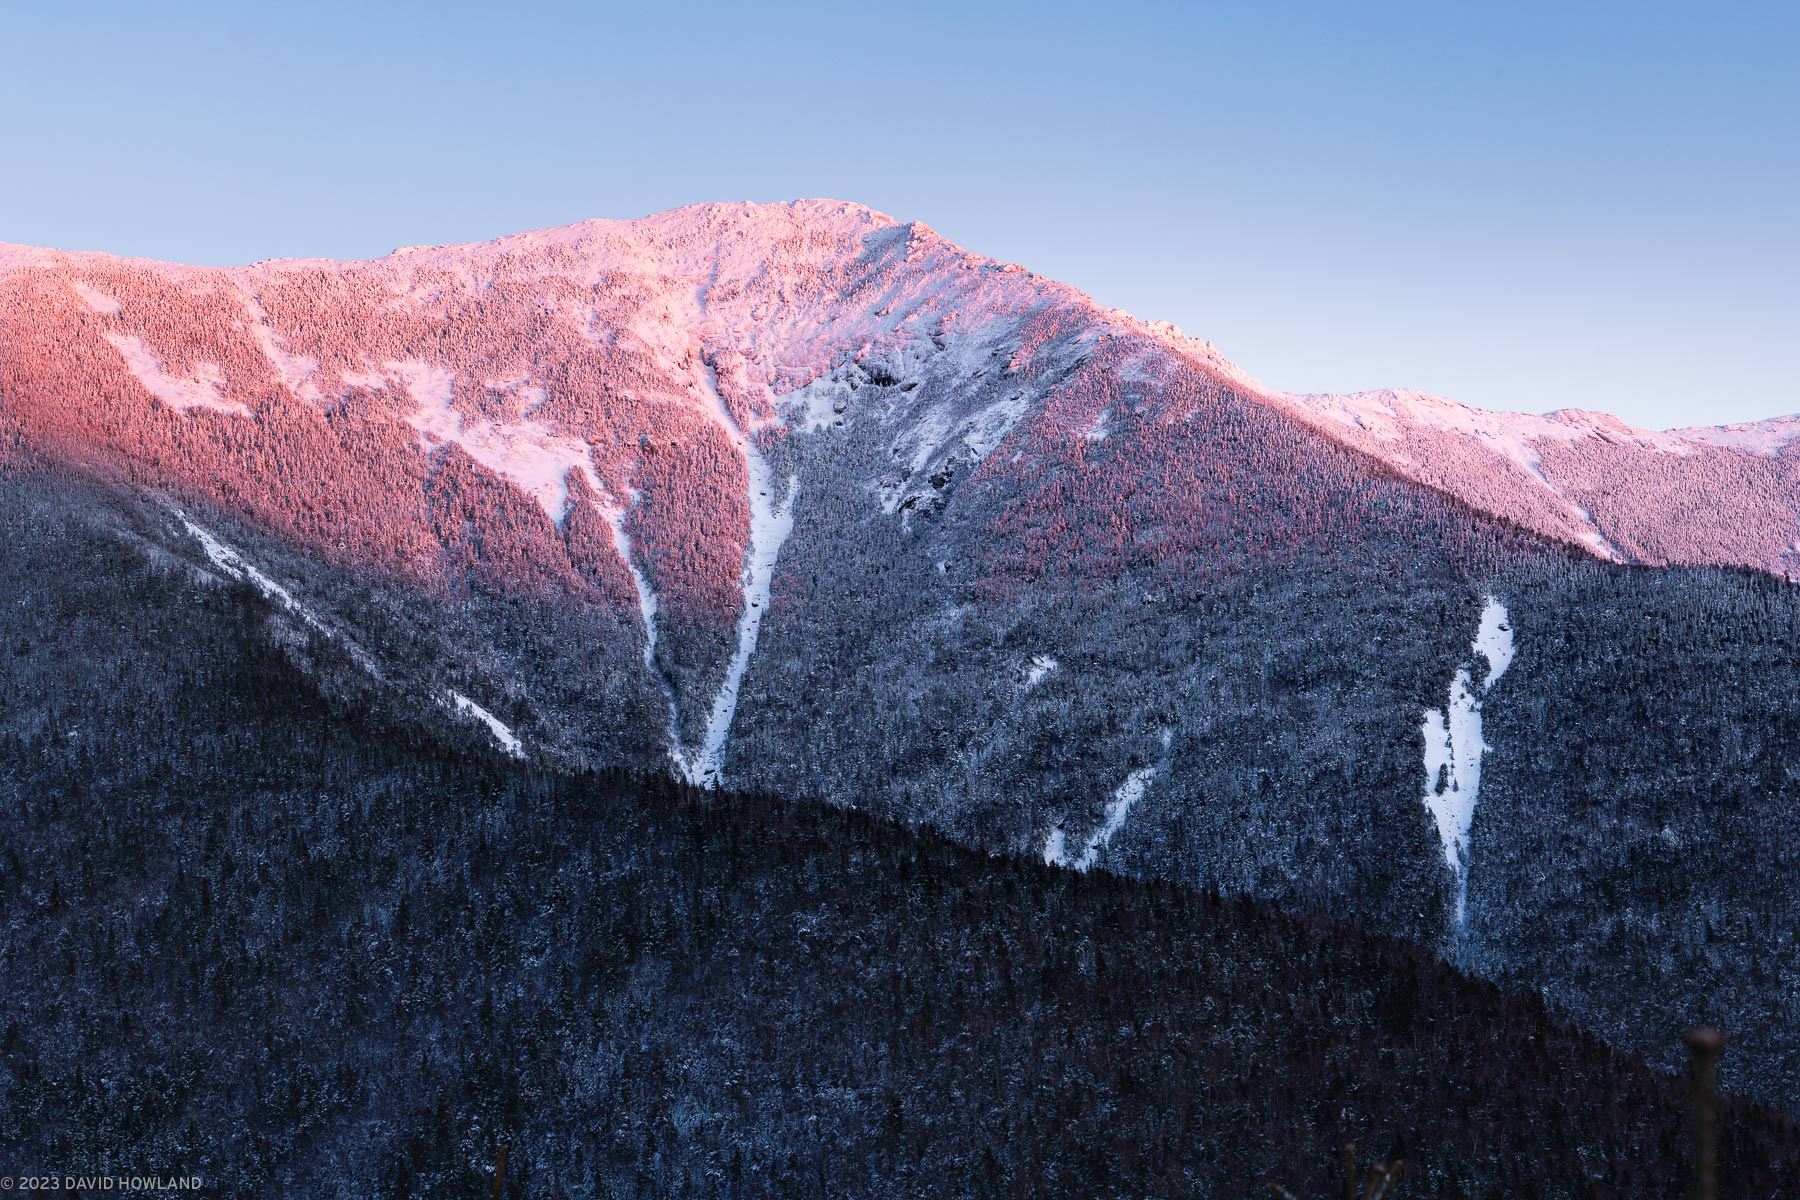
709 222
541 349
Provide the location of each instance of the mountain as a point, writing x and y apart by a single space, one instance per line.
286 940
804 500
1719 496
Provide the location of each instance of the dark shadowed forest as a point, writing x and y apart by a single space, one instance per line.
270 929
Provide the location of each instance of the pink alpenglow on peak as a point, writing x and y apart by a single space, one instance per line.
443 414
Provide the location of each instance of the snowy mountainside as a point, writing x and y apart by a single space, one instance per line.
802 498
1723 496
583 413
283 929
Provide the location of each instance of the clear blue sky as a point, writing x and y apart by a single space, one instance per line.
1516 205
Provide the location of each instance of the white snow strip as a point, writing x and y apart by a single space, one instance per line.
529 453
1129 793
1124 797
1454 746
770 524
296 371
646 595
373 381
97 300
237 567
1494 640
1040 666
508 741
1529 459
206 389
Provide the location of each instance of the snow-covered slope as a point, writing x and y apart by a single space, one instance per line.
1722 495
804 498
478 414
629 414
573 349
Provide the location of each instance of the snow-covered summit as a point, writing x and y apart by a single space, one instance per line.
548 352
